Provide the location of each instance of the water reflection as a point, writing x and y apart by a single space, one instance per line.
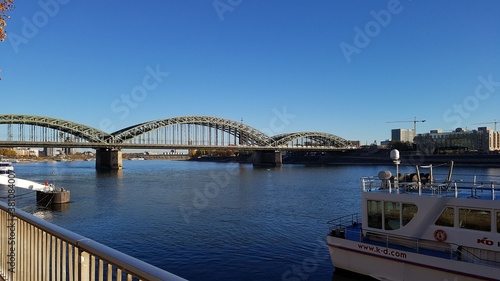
102 173
493 174
59 207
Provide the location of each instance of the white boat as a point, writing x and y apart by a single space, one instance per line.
6 167
431 230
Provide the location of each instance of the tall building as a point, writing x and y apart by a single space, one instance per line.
402 135
494 140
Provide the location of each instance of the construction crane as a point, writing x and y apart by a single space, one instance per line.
494 122
414 123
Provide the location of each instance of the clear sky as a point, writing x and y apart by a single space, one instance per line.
342 67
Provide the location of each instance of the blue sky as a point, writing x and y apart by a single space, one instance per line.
342 67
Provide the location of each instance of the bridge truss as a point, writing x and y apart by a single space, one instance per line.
178 132
310 139
192 130
28 128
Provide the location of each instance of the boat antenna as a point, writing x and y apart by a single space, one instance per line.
395 158
450 171
419 183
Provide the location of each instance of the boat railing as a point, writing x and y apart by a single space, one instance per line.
33 249
466 255
444 188
338 226
347 220
414 244
423 246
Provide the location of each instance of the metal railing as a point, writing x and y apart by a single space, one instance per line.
422 246
452 251
448 189
345 221
33 249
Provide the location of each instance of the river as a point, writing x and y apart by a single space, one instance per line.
209 221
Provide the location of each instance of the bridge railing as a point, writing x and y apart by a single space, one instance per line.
33 249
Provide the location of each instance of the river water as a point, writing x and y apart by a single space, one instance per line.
209 221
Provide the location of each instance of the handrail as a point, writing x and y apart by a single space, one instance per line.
42 243
417 244
410 242
344 221
446 188
472 258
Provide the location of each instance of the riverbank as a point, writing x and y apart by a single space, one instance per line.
346 157
382 157
370 157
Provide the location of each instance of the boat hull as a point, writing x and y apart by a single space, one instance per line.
392 264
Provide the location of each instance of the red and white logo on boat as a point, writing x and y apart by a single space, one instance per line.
485 241
440 235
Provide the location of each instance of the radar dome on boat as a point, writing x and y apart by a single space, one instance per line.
384 175
394 154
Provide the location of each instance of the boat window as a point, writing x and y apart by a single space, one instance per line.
392 215
498 222
409 211
447 217
475 219
374 213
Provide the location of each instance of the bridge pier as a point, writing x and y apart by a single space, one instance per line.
267 158
108 158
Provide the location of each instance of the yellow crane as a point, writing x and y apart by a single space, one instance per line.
494 122
415 121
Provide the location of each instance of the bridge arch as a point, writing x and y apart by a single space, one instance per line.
87 133
246 134
316 138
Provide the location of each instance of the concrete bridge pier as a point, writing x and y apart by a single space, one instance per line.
267 158
108 159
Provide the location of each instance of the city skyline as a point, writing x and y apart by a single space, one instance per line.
340 67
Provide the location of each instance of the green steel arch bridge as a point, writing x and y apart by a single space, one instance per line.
185 132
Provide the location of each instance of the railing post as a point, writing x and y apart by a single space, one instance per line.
84 264
473 190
